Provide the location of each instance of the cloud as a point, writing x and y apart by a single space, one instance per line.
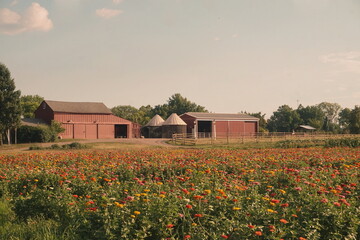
35 18
345 61
117 1
107 13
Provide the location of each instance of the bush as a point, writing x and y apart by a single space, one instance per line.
41 133
299 143
343 142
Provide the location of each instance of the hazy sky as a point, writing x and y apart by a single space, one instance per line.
226 55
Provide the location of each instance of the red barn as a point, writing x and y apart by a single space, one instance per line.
220 124
84 120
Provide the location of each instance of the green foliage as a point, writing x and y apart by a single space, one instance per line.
343 142
312 116
10 109
29 103
32 134
41 133
175 104
74 145
354 120
299 143
285 119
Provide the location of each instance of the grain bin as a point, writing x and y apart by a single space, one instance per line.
174 124
153 128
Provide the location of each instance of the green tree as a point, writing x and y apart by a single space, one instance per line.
179 105
10 109
311 115
344 120
354 120
331 115
285 119
125 111
29 103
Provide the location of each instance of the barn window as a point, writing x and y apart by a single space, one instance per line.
44 106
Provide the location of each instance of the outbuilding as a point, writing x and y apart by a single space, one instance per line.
220 124
153 129
84 120
173 125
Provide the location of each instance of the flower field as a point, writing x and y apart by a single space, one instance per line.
181 194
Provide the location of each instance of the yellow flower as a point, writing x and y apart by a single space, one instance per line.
159 183
146 190
136 212
207 191
236 208
162 195
137 195
133 216
119 204
194 224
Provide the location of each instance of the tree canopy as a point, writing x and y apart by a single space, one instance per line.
175 104
29 103
10 109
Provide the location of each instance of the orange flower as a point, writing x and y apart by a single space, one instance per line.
258 233
283 221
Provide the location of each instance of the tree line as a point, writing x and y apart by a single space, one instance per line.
326 117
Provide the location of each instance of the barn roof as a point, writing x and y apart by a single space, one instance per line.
221 116
156 121
174 119
78 107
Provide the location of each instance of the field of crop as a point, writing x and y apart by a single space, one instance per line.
158 194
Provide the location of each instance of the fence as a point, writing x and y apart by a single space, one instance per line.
204 138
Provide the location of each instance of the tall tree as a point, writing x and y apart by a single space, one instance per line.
285 119
29 103
354 120
179 105
331 115
10 109
344 120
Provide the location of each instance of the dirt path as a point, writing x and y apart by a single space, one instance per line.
113 143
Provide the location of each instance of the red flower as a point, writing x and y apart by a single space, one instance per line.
170 226
225 236
198 215
187 237
188 206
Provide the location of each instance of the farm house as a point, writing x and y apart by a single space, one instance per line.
220 124
85 120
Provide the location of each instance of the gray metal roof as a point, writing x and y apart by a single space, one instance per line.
78 107
174 119
221 116
156 121
307 127
32 121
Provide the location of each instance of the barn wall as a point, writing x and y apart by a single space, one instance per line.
44 112
189 120
106 131
89 118
69 131
250 127
91 131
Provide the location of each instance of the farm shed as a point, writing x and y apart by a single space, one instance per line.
174 124
85 120
220 124
153 128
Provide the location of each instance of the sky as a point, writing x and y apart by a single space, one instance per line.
227 55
